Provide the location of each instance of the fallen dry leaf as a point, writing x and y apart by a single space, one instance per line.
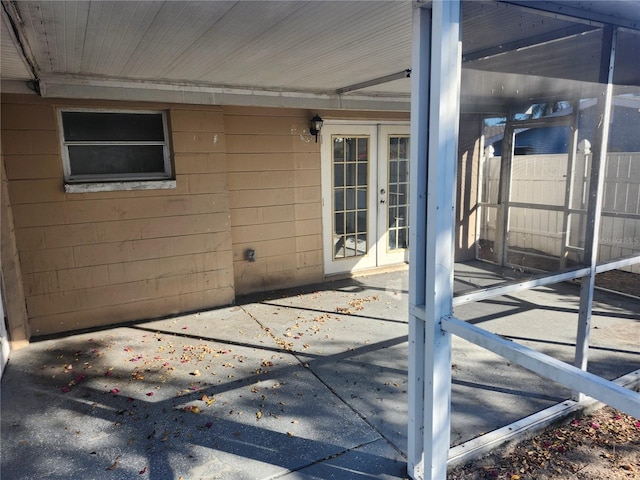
115 464
606 441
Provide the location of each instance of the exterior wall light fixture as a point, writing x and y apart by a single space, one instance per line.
316 126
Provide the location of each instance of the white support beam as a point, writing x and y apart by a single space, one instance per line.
375 81
539 281
572 377
421 55
499 290
618 263
577 12
436 76
596 194
546 39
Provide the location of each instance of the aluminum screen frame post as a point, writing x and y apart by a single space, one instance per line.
421 42
435 114
594 206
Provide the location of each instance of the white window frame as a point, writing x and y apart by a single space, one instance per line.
111 182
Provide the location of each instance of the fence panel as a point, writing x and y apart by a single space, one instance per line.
541 180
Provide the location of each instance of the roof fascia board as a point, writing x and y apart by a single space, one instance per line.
70 86
479 105
574 13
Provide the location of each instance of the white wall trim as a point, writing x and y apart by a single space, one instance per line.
116 186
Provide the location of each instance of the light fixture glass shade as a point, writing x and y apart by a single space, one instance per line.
316 125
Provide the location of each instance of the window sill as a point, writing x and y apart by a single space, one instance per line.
117 186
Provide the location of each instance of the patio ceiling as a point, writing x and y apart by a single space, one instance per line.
312 54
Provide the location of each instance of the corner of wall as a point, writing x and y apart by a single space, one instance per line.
13 289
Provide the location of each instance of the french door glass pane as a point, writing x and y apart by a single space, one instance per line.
398 192
350 187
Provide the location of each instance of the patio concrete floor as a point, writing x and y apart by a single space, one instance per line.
299 384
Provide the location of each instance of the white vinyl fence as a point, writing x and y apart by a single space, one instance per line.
540 201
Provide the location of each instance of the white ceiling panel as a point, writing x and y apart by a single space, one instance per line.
177 29
342 55
67 35
303 49
112 34
307 46
232 40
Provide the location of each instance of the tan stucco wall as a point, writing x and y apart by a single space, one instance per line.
274 189
102 258
247 178
12 288
275 193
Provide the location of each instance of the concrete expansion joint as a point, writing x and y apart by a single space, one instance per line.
306 364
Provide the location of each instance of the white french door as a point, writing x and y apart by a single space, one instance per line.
365 196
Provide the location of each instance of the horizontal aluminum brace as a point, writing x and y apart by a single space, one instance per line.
618 263
498 290
567 375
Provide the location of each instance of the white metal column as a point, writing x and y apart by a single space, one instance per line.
417 232
596 192
435 112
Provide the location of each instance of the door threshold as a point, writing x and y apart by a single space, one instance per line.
368 271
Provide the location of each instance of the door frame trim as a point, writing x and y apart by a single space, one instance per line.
375 124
